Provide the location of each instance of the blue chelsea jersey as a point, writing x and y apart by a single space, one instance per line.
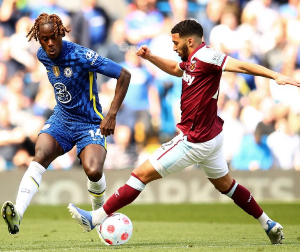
73 77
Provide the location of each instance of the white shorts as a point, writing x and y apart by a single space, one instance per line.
178 154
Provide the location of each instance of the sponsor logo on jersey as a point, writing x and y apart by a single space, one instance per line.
46 126
68 72
61 92
188 78
89 55
193 65
56 71
95 58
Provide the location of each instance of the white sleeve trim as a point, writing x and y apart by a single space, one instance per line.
225 63
180 67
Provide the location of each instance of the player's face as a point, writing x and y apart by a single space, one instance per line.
52 45
180 46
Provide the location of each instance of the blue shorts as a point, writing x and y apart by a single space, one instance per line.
70 133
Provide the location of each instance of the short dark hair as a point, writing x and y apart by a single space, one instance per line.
188 27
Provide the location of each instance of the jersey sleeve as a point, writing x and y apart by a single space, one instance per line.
93 62
211 61
181 65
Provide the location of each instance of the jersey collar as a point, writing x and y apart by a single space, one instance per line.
200 46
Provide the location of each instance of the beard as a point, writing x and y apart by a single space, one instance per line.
185 53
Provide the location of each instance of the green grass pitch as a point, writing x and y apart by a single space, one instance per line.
180 227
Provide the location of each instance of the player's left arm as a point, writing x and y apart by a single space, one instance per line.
108 124
238 66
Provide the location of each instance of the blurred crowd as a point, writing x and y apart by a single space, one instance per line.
262 119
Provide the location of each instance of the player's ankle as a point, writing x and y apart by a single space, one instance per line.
98 216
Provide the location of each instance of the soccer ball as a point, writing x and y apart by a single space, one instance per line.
116 229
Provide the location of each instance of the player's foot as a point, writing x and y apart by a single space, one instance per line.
11 217
82 217
274 232
100 236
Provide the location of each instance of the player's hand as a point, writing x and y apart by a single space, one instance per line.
107 125
143 52
285 80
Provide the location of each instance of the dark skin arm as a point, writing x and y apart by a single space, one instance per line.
108 124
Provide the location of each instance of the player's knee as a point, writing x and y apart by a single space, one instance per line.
93 171
43 158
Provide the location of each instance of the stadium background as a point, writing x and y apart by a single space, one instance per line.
262 120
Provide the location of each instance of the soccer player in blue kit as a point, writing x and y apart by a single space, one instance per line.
77 118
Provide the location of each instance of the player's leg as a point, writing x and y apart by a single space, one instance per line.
92 159
244 199
122 197
169 158
216 169
46 150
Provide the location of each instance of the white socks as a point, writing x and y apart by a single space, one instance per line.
97 192
29 186
98 216
263 220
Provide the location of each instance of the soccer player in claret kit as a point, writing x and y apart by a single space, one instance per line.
200 139
77 118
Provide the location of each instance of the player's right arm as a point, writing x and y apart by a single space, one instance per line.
167 65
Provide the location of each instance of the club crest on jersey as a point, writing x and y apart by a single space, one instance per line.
89 55
68 72
56 71
193 65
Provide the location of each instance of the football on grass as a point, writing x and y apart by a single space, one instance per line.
116 229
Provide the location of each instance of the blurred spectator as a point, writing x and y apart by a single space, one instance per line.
19 47
169 87
267 125
10 138
233 129
122 153
293 25
90 25
141 98
253 154
25 153
250 114
118 45
179 10
211 18
143 23
245 53
46 6
284 144
10 12
44 99
289 10
233 85
265 13
274 57
223 37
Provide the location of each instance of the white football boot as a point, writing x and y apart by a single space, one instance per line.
82 217
11 217
275 232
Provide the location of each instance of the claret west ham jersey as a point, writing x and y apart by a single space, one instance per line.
200 90
73 77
